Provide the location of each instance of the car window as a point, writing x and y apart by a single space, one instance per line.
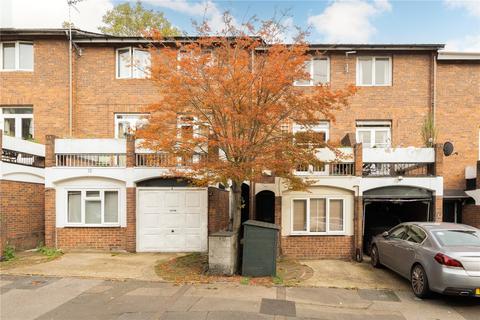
398 233
415 234
457 237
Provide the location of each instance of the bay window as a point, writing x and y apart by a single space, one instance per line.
132 63
93 207
318 216
374 71
17 121
16 56
319 70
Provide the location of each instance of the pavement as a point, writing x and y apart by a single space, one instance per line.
103 265
36 297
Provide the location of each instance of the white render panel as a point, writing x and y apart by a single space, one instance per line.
398 155
90 145
326 154
21 145
15 172
172 219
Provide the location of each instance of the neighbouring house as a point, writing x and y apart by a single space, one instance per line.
83 182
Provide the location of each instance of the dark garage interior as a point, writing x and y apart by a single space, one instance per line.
384 208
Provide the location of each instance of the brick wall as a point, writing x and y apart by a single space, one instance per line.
458 117
21 214
318 247
471 215
92 238
218 209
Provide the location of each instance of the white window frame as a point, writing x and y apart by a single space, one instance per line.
131 73
17 56
18 120
117 121
327 218
322 126
101 198
298 83
373 84
375 126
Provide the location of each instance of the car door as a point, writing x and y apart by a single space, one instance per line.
387 247
407 248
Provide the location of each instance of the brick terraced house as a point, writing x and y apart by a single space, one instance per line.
71 175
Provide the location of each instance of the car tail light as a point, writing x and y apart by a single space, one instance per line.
447 261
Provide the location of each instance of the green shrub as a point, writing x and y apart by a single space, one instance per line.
9 253
49 252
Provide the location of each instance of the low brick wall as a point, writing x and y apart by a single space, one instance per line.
92 238
22 214
218 209
471 215
318 247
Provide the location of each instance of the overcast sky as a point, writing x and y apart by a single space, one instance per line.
454 22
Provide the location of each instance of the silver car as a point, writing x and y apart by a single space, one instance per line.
440 257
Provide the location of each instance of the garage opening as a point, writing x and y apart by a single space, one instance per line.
265 206
386 207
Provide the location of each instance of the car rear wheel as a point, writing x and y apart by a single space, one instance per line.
419 282
374 258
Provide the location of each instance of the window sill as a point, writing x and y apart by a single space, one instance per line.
17 70
373 85
339 233
312 85
92 226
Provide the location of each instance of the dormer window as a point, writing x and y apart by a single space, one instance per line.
16 56
132 63
319 70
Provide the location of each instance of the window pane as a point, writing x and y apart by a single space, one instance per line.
123 63
382 138
305 81
318 215
364 136
74 207
111 206
9 127
415 234
93 212
9 56
299 215
27 128
382 71
336 215
365 69
94 194
17 110
26 56
320 71
141 63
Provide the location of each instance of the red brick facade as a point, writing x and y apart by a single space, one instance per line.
314 247
21 214
471 215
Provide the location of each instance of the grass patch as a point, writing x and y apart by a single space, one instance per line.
50 253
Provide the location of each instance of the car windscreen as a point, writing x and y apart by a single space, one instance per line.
457 237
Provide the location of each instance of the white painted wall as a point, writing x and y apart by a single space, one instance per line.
15 172
90 145
21 145
84 183
409 154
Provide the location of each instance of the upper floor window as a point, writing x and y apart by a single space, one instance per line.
374 134
319 70
16 56
126 124
313 134
133 63
374 71
17 122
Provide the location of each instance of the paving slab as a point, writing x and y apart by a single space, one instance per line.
182 315
328 297
378 295
220 304
222 315
278 307
233 291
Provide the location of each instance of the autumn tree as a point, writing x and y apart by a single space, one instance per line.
226 105
126 20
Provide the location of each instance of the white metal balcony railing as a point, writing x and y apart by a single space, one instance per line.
91 160
90 153
22 152
327 169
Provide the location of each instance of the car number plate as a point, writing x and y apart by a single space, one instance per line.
477 292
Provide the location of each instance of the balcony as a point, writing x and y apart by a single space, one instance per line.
90 153
22 152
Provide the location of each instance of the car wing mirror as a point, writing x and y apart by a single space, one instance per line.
385 234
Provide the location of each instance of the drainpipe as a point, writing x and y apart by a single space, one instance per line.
434 87
70 99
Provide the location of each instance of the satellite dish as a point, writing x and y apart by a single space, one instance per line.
447 148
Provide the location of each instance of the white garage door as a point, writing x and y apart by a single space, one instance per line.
172 219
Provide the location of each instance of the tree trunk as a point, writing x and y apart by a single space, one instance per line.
237 219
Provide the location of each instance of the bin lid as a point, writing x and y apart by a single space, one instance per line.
261 224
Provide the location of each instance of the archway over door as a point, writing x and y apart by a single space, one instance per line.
265 206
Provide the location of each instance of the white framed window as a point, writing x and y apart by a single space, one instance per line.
17 121
16 56
374 134
132 63
374 71
319 70
127 123
318 215
319 132
93 207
